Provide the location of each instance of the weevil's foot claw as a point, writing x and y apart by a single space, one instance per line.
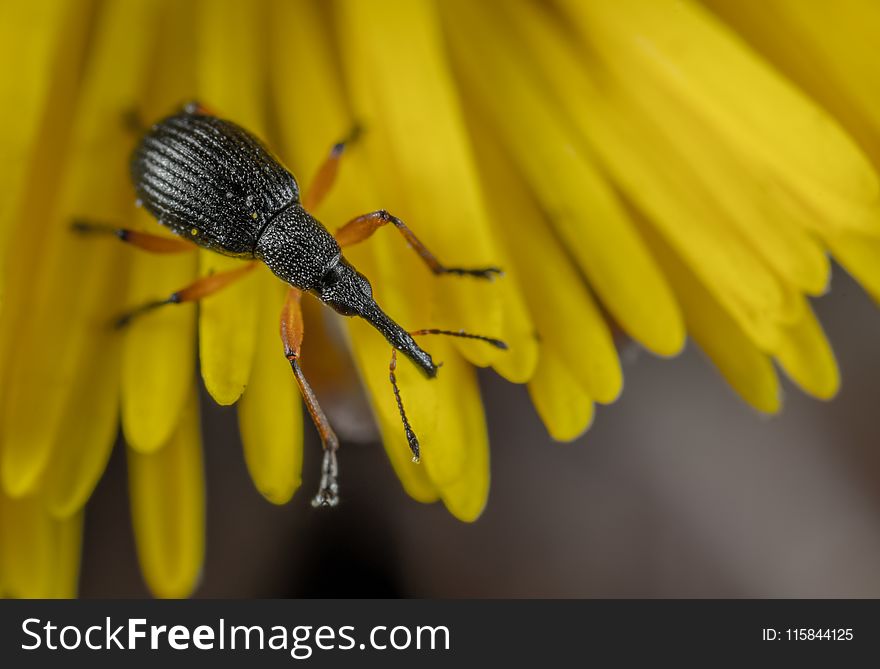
121 322
326 498
83 226
489 273
328 493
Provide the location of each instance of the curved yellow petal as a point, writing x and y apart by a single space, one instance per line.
565 408
806 356
26 546
159 351
696 59
30 36
860 256
725 182
567 319
67 554
829 49
578 200
70 294
456 452
747 369
45 164
231 66
418 143
88 428
39 555
158 361
518 332
730 230
167 491
270 411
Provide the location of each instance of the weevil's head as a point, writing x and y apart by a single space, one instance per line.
349 293
300 251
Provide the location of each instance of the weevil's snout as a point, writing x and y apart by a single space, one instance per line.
350 294
401 340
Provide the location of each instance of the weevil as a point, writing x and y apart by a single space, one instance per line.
216 186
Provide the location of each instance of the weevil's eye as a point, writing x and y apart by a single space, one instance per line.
332 276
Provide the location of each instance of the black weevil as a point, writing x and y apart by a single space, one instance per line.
218 187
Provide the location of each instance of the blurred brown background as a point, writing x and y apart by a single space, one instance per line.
678 490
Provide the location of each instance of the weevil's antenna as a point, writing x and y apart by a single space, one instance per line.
497 343
411 437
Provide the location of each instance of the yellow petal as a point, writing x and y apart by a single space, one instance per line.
747 369
39 555
417 140
680 47
30 37
696 197
71 296
167 491
270 411
46 164
581 204
159 351
67 554
456 452
829 49
806 356
567 320
716 174
87 430
860 256
562 403
231 66
517 331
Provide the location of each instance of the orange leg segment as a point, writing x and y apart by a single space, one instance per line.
326 174
141 240
197 290
360 228
292 336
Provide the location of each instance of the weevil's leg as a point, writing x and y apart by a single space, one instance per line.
360 228
411 437
197 290
291 337
141 240
326 174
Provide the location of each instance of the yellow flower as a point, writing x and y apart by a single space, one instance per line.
656 166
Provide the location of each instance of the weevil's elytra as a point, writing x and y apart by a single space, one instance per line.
216 186
199 173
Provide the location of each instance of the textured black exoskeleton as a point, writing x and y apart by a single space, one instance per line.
215 184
